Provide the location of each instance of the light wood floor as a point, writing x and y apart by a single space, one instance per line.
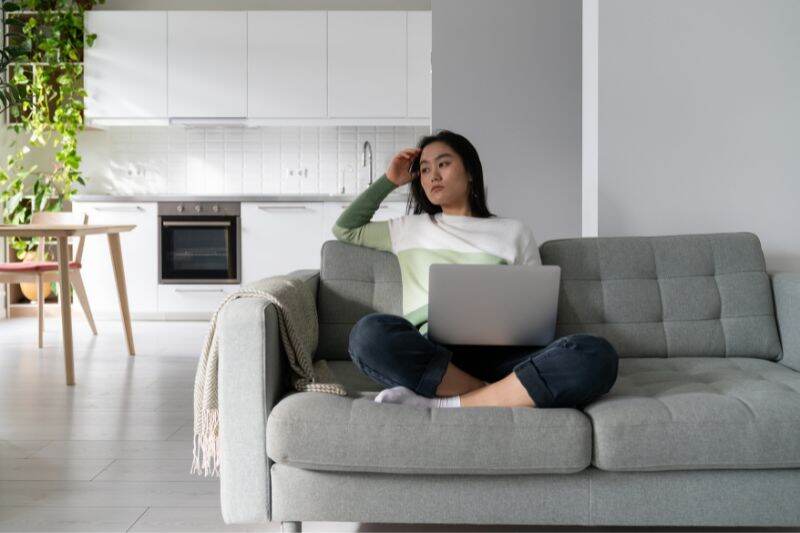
112 453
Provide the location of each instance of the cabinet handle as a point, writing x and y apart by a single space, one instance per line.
135 208
194 224
379 207
199 290
283 207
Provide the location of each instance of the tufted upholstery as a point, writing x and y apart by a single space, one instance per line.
675 296
353 281
681 413
668 296
326 432
697 388
698 413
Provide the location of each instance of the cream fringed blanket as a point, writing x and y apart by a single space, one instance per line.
299 332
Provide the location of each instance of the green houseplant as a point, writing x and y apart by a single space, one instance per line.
14 51
44 97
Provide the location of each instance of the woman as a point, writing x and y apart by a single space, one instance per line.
451 224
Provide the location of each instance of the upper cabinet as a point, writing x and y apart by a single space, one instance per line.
259 67
367 74
420 38
126 68
286 64
207 66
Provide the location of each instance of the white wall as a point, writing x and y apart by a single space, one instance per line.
699 120
507 75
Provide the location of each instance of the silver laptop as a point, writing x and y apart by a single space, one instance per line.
498 305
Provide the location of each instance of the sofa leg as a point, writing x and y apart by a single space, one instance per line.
291 527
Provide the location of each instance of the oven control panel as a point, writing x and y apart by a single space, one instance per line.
199 208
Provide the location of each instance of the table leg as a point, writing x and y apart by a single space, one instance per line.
40 306
122 291
66 312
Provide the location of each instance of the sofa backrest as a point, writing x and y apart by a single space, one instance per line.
353 281
668 296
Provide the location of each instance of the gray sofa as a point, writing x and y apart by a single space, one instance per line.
702 427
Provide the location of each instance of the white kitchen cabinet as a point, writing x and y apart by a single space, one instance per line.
420 36
126 68
139 257
207 63
333 210
367 74
279 237
309 67
286 64
191 300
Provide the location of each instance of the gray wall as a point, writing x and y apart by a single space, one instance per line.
699 120
507 75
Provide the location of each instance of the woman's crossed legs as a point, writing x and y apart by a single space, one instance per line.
572 371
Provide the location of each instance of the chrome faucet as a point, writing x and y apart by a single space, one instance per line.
367 145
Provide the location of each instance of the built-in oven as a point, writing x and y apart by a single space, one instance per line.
199 242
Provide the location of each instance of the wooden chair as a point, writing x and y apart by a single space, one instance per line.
41 271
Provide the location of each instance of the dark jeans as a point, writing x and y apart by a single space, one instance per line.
571 371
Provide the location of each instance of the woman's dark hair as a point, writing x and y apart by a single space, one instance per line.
418 200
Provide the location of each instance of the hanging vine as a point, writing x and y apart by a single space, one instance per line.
49 80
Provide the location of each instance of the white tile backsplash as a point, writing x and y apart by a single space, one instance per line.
235 160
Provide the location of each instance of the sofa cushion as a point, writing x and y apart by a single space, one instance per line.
319 431
687 413
353 281
676 296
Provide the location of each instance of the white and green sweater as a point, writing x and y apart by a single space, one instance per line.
421 240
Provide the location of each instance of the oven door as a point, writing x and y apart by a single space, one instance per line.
199 250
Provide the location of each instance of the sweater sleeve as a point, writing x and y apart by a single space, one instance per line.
354 225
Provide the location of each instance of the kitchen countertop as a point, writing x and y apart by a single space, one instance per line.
394 197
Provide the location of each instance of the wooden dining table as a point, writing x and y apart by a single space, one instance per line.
62 233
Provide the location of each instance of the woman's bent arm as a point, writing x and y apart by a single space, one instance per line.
354 225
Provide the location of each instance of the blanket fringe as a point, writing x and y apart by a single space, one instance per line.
206 448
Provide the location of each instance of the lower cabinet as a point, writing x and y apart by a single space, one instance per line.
279 237
139 257
189 299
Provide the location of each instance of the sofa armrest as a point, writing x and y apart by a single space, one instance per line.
253 378
786 289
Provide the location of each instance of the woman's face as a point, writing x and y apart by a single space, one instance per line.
442 175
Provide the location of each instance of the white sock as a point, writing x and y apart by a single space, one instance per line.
407 396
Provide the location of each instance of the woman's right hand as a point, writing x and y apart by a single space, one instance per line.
399 171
